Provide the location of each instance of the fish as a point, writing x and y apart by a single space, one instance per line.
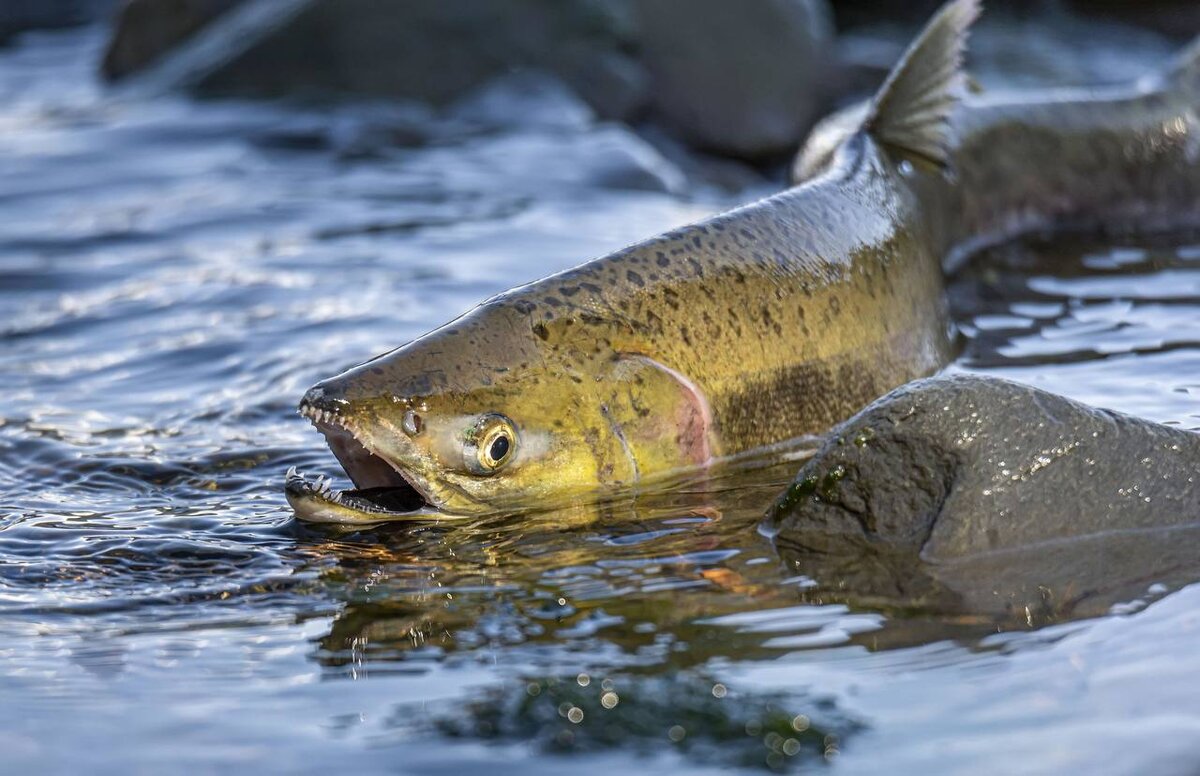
753 328
1109 161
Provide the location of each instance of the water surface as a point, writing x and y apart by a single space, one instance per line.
173 275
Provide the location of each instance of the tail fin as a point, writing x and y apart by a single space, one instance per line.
911 111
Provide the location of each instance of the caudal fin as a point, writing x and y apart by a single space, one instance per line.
911 111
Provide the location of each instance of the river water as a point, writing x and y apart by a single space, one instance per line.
173 276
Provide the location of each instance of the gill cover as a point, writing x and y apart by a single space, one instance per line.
662 421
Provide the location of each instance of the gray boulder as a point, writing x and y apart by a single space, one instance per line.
977 494
20 15
431 50
742 78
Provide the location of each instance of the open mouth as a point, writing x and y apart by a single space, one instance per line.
380 491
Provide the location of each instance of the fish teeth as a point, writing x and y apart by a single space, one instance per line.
324 417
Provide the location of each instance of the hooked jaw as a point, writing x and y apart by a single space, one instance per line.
382 490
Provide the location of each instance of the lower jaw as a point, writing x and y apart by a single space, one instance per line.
317 501
380 491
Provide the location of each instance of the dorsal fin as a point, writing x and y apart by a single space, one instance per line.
911 111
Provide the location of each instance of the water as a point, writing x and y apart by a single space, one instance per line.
173 275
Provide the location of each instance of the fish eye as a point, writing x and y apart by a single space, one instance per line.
490 444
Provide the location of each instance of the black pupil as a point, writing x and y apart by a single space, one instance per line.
499 448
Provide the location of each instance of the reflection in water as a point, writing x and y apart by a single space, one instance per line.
1031 586
694 715
634 574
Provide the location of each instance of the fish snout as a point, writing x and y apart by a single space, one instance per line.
326 400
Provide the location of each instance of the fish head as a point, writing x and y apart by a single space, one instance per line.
499 410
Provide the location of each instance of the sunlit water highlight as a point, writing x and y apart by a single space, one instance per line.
173 275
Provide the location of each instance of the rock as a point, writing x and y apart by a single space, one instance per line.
524 99
147 29
431 50
738 78
622 160
987 496
21 15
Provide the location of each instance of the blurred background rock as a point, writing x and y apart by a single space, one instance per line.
22 15
737 79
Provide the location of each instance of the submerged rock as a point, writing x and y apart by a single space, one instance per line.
688 713
976 494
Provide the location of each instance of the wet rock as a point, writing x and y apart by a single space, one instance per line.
984 495
738 78
147 29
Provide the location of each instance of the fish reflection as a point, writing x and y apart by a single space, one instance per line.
655 564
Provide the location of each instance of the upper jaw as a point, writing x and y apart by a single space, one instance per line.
364 463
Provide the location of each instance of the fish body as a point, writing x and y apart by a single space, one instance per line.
769 322
1113 160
